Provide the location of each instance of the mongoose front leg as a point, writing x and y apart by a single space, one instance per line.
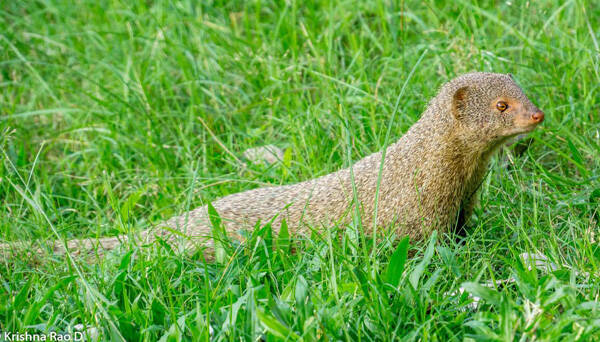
465 212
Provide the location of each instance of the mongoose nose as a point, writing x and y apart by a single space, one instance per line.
537 116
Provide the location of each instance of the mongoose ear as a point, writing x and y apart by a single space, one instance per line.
459 102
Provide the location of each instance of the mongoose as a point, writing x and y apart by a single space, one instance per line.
429 178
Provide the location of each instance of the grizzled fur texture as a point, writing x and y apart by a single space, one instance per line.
429 178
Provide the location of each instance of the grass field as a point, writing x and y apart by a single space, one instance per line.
100 135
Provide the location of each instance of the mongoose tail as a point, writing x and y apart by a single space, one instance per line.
429 178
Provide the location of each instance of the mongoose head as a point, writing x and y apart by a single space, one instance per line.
490 107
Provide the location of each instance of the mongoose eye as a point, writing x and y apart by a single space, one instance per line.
502 106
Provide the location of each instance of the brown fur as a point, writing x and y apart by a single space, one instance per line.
429 177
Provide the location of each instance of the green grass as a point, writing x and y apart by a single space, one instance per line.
99 135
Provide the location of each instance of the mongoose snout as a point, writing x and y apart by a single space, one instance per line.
538 116
528 120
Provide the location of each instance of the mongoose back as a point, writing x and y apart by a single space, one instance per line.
429 177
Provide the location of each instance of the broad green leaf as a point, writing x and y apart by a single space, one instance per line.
416 274
362 279
283 238
21 297
275 327
218 233
396 265
130 203
485 293
579 163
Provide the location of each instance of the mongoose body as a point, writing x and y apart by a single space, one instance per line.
429 177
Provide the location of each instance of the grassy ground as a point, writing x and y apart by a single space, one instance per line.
100 134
